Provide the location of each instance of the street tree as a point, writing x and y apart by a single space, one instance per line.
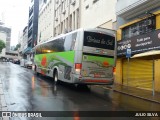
17 46
2 45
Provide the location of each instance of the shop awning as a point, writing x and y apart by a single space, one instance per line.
154 53
27 50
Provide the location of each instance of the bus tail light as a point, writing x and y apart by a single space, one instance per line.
114 70
78 67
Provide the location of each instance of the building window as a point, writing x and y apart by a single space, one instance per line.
94 1
142 27
45 1
87 6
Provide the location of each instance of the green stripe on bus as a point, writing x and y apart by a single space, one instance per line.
99 59
69 56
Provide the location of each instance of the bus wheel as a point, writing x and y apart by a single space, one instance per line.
55 76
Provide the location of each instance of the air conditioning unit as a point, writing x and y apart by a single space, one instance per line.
73 2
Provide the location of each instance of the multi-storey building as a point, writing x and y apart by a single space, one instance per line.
57 17
24 42
33 23
46 20
67 16
20 41
61 16
5 35
138 23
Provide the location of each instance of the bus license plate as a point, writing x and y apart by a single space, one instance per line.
97 75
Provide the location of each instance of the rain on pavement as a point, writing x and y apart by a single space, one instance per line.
24 91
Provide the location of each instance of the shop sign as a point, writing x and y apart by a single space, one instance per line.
140 44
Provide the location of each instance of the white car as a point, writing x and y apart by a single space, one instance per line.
28 64
22 62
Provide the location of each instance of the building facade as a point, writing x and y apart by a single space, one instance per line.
61 16
5 35
98 13
23 40
67 16
33 23
45 20
20 41
138 23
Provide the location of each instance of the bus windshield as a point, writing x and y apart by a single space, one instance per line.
99 40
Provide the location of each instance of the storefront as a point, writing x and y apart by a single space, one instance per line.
140 72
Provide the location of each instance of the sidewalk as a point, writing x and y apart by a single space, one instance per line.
3 105
136 92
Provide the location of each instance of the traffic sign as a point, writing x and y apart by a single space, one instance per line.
128 52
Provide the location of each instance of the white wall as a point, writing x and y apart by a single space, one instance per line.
98 13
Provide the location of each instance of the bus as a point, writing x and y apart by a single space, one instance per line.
83 56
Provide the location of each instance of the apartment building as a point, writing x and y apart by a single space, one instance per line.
61 16
57 17
67 16
33 23
138 23
46 20
23 41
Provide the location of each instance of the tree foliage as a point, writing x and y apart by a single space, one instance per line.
17 46
2 45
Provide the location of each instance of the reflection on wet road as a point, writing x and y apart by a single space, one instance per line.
25 91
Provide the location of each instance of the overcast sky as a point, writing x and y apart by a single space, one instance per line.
15 14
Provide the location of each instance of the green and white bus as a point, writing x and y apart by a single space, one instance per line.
83 56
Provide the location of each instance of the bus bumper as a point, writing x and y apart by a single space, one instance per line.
94 81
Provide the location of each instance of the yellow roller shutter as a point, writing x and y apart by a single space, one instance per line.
139 73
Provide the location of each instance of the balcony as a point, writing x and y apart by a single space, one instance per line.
131 8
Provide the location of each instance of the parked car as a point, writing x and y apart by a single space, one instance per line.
16 61
28 64
10 60
4 60
22 62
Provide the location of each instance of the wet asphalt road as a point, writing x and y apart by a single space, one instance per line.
24 91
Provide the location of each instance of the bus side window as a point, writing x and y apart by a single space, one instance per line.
70 42
38 50
67 43
42 49
57 45
74 36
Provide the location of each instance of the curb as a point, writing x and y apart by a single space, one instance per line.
136 96
110 88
